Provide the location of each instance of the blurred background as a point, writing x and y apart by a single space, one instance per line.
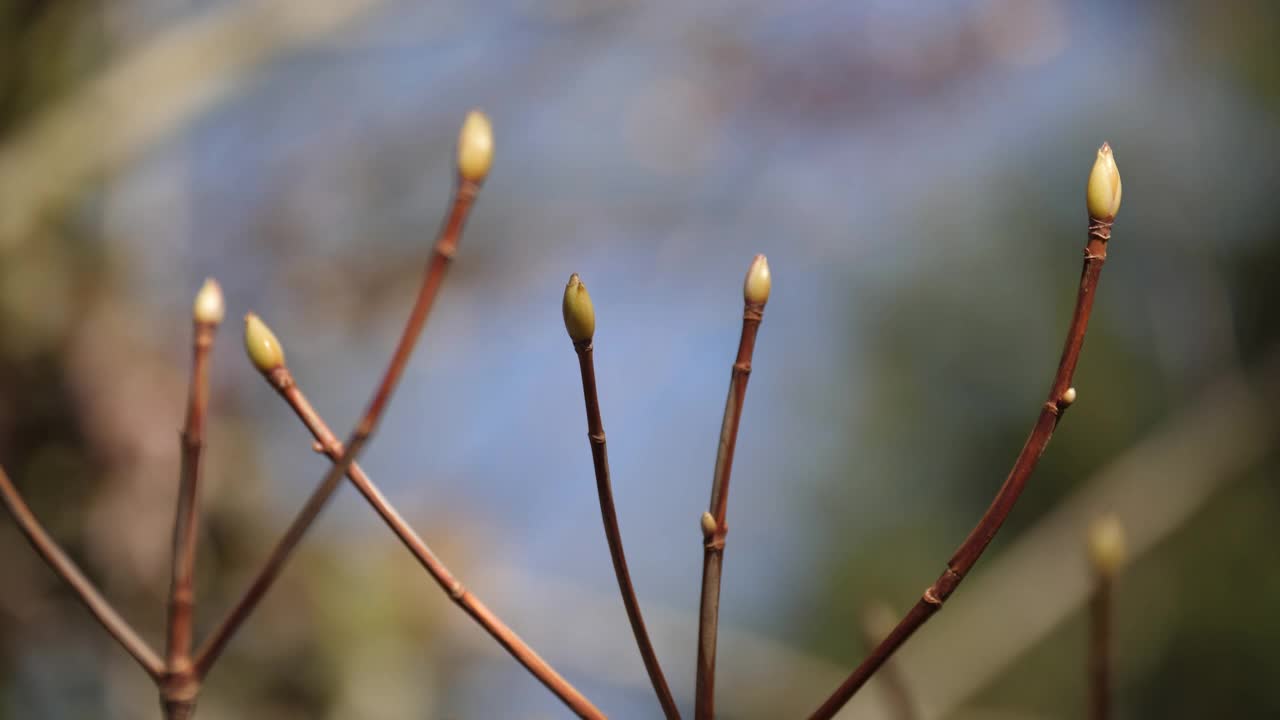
915 172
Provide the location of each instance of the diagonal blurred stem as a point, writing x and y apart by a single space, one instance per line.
1095 254
328 443
600 461
714 537
1100 649
58 561
445 248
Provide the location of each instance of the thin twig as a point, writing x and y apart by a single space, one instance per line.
58 561
600 461
714 527
282 380
180 687
1100 649
877 621
1061 394
445 248
1105 543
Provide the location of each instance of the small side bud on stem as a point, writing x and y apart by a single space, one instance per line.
1104 189
209 308
1107 546
708 523
264 349
1068 397
758 283
579 313
475 147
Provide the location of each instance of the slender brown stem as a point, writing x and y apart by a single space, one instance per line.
1095 254
445 248
600 461
180 687
58 561
1100 649
328 443
877 621
714 535
217 641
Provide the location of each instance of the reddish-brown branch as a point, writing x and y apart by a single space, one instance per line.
1095 254
1100 650
180 688
445 248
876 621
58 561
328 443
604 488
714 537
213 646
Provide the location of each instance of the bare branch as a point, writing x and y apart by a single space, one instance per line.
445 247
714 528
283 382
1061 395
580 322
102 610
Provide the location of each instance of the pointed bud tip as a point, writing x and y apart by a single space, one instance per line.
475 146
579 313
209 307
1104 189
759 282
264 349
1106 543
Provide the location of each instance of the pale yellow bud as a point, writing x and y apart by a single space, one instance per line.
209 307
1104 190
758 283
579 313
708 523
1107 545
475 146
264 349
1068 396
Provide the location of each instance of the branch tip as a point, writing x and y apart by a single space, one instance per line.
755 290
579 313
209 308
264 349
475 147
1104 189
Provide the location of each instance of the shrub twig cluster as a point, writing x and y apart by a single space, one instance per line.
180 672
